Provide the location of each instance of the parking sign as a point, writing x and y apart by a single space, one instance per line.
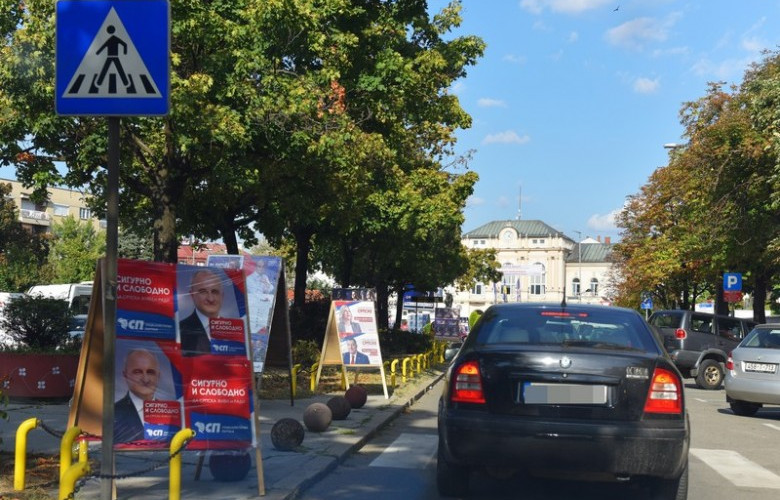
732 282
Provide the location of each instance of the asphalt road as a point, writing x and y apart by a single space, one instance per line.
731 457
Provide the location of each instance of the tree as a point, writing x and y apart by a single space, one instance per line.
40 323
74 251
21 253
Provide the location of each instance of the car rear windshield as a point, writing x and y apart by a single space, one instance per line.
763 337
607 329
666 320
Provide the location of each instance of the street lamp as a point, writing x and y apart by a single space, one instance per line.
579 265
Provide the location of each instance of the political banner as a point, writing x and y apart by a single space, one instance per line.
357 332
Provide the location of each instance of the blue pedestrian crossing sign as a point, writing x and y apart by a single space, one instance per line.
112 57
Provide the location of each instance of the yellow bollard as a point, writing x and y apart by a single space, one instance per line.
66 449
393 369
83 450
21 452
419 363
406 361
313 376
295 369
174 480
70 476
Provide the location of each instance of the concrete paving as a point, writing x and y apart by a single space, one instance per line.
286 473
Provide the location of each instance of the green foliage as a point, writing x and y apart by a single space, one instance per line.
306 352
74 250
38 323
21 253
132 245
399 343
309 320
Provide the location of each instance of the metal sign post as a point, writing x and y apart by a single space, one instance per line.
111 60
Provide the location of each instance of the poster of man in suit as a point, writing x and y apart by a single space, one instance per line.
357 332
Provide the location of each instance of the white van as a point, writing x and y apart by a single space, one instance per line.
78 295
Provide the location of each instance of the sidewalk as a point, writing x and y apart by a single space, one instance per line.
286 474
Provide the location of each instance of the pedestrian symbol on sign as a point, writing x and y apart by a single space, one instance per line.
110 59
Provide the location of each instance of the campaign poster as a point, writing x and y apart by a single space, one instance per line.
357 331
353 294
447 322
262 279
182 357
147 392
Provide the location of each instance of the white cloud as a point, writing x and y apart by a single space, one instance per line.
726 70
646 85
636 33
491 103
563 6
605 222
512 58
475 201
573 37
506 137
458 88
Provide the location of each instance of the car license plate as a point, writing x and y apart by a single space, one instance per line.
563 394
760 367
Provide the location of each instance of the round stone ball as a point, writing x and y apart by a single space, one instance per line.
356 395
317 417
339 407
287 434
233 466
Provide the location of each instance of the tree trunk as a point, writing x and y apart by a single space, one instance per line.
399 306
759 297
721 306
381 304
228 232
166 245
302 250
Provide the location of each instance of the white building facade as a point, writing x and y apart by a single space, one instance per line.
539 264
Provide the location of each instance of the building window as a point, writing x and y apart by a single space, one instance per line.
477 289
575 286
61 210
475 242
594 286
538 280
85 213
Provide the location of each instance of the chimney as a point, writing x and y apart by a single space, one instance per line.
598 238
607 240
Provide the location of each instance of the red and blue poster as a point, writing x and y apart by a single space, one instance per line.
182 357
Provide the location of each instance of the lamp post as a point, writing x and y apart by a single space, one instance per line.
579 265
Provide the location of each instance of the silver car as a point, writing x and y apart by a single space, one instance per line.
752 371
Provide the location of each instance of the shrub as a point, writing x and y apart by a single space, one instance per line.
306 352
402 342
38 323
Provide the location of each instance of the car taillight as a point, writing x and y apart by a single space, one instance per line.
680 333
467 387
665 395
730 363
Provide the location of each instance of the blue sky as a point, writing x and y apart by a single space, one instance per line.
573 100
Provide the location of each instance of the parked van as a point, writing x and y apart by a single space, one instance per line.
699 343
78 295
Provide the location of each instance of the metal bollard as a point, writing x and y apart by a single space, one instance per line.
174 479
313 376
393 369
406 361
294 383
70 476
66 449
419 363
20 459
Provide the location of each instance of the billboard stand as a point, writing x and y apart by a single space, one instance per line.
351 340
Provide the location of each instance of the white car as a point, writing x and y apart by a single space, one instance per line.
753 371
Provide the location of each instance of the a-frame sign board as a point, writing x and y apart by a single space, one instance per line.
351 340
196 385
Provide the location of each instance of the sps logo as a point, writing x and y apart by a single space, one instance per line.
221 348
153 433
208 428
131 324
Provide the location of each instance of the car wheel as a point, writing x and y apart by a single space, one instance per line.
710 376
671 489
451 480
744 409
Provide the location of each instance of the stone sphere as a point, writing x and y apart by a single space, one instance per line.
232 466
356 395
339 407
317 417
287 434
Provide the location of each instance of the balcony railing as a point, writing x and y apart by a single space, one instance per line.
35 215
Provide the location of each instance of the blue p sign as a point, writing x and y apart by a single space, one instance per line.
732 282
